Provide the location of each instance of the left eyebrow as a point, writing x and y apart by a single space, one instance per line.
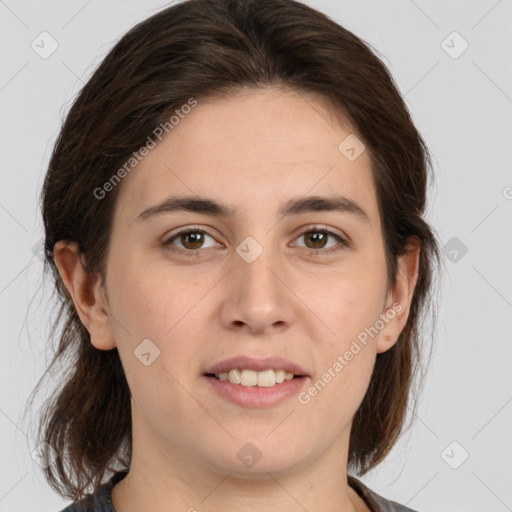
294 206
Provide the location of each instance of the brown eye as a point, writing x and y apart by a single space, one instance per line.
192 239
188 241
317 239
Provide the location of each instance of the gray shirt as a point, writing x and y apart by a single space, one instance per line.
101 500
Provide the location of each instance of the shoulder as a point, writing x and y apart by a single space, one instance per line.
100 500
88 504
374 501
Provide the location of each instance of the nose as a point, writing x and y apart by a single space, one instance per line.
257 299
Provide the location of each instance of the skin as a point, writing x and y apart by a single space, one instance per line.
253 150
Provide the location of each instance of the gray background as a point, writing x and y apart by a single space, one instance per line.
462 104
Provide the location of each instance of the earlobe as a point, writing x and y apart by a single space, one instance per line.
87 294
399 299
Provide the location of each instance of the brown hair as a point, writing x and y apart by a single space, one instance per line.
200 49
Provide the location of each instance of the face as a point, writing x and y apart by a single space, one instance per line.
307 285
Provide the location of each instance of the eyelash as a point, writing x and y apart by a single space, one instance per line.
194 252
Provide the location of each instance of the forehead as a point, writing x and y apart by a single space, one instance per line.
252 148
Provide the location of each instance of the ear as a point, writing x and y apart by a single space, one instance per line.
87 293
398 301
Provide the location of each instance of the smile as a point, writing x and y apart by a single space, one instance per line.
249 378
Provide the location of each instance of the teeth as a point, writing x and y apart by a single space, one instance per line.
249 378
234 377
280 376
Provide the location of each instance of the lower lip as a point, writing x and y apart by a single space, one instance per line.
255 396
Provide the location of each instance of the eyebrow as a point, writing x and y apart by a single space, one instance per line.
294 206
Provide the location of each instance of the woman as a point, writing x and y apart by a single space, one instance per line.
234 222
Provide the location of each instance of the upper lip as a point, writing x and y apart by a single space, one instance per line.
258 365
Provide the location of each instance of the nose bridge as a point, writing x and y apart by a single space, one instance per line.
257 265
260 298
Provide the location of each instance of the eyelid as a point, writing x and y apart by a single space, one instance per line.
167 238
326 229
342 239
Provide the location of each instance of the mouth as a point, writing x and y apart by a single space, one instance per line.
250 378
251 389
248 372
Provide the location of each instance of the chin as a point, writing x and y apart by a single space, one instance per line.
259 467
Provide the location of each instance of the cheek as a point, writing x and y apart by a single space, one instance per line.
152 302
337 390
345 360
347 352
153 328
351 305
